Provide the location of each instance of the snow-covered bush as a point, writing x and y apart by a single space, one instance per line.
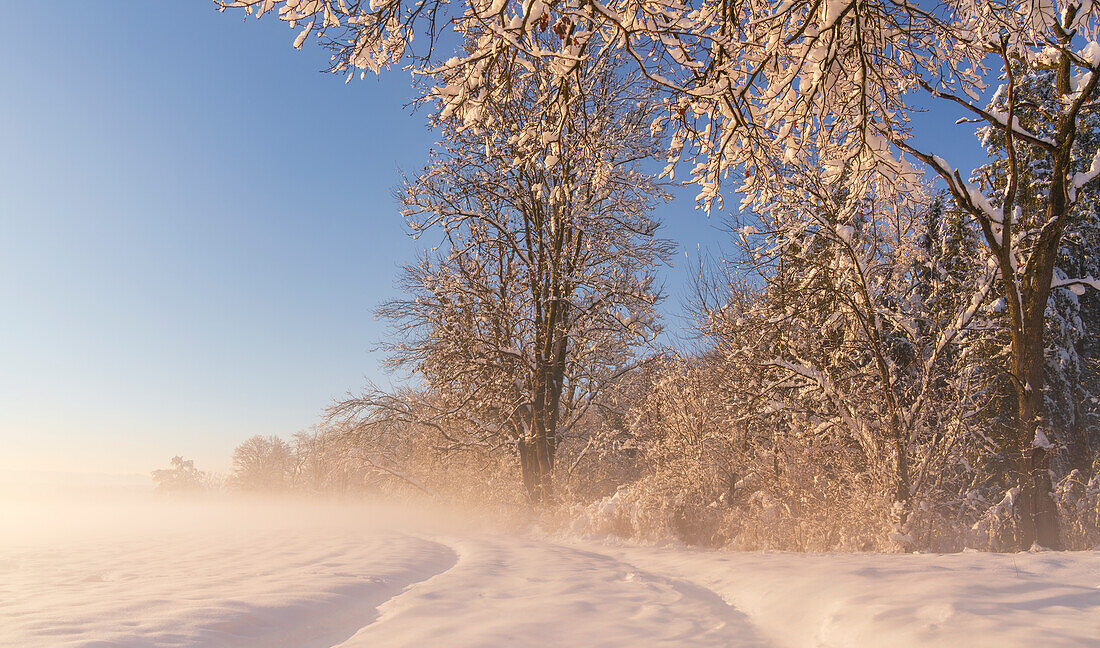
1078 499
711 470
396 453
648 511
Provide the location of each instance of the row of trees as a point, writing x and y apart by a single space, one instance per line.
909 344
314 461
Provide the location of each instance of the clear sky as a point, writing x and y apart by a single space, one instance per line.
195 226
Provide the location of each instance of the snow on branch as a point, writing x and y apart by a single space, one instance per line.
1076 286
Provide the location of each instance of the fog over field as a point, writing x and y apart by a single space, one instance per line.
298 574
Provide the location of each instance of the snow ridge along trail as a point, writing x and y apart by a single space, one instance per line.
294 576
523 592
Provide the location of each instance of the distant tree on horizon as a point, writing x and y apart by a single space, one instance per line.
263 464
182 477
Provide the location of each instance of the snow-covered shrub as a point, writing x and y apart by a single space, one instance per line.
398 456
713 471
601 452
644 511
1078 499
817 500
997 529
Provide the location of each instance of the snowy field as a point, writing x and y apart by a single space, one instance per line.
286 575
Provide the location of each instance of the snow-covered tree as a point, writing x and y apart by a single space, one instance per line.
326 461
1073 316
752 87
263 464
1041 194
851 333
540 288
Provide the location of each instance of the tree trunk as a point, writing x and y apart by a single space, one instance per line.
536 477
1039 522
902 489
537 458
903 496
538 449
537 446
898 435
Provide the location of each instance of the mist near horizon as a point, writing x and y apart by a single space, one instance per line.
314 572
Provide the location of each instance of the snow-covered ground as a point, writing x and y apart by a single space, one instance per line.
278 575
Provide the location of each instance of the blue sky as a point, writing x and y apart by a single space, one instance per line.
195 225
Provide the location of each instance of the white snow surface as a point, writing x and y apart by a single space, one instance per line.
297 576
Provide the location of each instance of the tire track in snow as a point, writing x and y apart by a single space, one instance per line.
520 592
358 605
326 618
